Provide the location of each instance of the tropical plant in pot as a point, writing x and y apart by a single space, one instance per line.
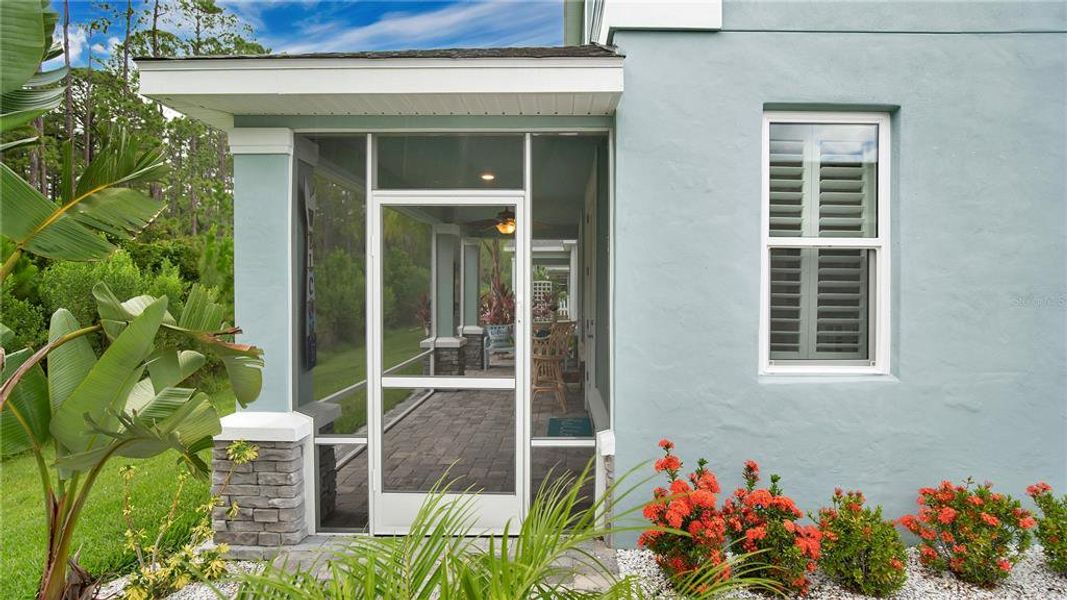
497 311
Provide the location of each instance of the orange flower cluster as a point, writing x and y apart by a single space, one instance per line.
689 506
762 519
970 530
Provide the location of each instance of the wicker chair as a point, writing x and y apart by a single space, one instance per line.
548 354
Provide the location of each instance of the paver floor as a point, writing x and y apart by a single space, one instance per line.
468 434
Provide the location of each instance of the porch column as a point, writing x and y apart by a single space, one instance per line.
448 346
271 491
470 303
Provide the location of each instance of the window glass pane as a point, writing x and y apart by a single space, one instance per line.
332 212
823 180
408 162
820 303
342 487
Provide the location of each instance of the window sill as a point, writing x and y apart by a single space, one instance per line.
825 378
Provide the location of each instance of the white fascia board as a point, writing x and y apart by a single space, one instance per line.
333 76
689 15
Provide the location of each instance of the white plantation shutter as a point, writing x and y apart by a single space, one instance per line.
821 183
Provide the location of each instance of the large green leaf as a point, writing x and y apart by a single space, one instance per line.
22 42
26 211
72 230
30 400
171 367
121 212
103 392
202 318
69 364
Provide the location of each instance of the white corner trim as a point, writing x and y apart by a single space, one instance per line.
700 15
605 442
260 140
265 427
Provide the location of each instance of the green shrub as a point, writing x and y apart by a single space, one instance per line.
1052 526
181 252
168 282
25 319
861 551
69 285
215 265
970 530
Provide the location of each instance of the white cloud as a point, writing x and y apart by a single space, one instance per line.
78 38
474 24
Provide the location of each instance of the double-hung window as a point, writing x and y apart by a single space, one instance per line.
825 255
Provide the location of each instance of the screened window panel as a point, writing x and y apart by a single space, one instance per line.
820 303
823 180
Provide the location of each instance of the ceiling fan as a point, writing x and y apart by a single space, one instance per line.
504 222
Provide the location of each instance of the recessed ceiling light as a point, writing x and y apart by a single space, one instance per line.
487 176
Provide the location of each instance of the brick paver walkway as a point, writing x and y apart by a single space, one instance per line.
471 431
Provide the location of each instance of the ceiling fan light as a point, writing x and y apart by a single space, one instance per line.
506 227
505 222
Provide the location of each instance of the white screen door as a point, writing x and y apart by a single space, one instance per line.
442 408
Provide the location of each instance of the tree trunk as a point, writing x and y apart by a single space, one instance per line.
69 94
42 161
126 44
155 29
193 199
87 126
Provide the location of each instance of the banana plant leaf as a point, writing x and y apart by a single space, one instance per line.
102 394
96 204
202 321
28 403
25 42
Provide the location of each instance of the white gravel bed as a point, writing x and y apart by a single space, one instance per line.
112 590
1031 579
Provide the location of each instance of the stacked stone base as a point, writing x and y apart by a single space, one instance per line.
473 352
269 492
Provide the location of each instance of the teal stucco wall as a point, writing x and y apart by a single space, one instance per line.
261 268
979 247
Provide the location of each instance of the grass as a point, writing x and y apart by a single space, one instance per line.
100 531
346 365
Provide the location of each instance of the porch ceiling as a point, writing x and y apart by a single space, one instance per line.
214 90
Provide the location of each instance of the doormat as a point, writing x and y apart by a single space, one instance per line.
570 427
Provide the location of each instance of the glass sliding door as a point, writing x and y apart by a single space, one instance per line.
446 266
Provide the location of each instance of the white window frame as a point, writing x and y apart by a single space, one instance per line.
879 311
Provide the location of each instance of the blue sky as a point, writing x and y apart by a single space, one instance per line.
350 25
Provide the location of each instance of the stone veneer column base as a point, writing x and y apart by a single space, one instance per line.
270 491
473 352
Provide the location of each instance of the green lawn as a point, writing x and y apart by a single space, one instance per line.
347 365
100 530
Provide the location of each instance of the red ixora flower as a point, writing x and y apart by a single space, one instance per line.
1004 565
668 463
989 519
1027 522
1037 489
752 466
666 444
946 515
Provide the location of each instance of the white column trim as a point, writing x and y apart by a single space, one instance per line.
260 140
